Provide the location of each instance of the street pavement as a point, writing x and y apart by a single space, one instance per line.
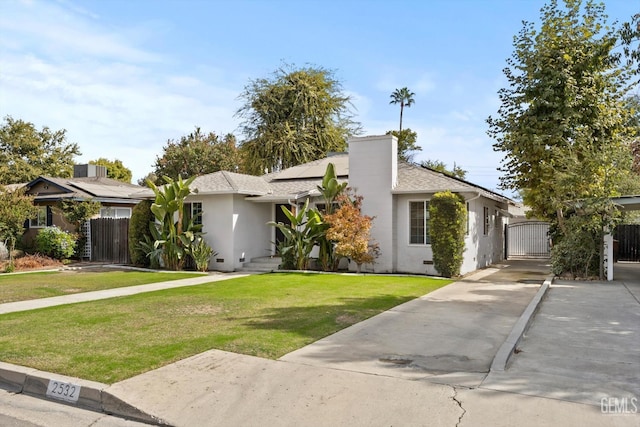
424 363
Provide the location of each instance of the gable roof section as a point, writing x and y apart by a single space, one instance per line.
224 182
99 188
303 180
315 169
418 179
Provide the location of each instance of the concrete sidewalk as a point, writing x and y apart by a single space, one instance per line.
12 307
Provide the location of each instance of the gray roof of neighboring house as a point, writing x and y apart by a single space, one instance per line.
98 188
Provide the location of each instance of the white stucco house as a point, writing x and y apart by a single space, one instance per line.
236 208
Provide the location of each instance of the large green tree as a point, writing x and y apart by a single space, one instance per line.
197 153
115 169
407 143
630 36
295 116
26 152
562 123
404 97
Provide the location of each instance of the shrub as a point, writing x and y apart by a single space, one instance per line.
201 253
53 242
576 253
447 219
141 216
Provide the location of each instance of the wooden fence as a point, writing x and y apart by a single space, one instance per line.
110 240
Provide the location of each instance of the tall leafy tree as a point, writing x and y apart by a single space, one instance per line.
26 152
197 153
633 104
295 116
407 143
630 36
562 121
404 97
115 169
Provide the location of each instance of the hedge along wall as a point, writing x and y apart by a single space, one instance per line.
447 225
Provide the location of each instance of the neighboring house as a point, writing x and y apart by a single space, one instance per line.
88 183
236 208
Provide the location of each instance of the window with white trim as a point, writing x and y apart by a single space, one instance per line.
196 213
40 219
113 212
419 223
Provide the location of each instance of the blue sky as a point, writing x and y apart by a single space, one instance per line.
124 76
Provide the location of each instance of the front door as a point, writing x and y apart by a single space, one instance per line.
281 217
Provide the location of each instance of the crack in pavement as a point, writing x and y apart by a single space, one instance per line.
459 402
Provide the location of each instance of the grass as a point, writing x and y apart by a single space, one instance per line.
262 315
22 287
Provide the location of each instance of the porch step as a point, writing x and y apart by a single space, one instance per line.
266 264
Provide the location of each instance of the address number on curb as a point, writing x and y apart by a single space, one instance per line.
63 391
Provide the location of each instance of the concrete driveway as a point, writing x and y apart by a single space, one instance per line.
584 344
449 336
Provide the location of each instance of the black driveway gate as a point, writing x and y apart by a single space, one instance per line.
627 242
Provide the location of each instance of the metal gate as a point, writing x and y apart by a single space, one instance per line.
527 239
627 243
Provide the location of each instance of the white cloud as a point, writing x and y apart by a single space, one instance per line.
63 70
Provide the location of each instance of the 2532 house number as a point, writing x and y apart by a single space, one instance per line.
68 392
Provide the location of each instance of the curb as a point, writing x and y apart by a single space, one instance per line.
70 391
508 347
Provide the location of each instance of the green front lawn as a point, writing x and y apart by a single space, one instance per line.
22 287
261 315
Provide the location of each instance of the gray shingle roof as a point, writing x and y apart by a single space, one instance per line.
101 188
417 179
230 182
303 180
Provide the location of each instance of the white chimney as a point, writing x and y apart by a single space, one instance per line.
373 173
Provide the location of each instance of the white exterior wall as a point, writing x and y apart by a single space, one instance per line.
373 173
235 228
472 239
480 251
252 235
217 223
411 257
483 250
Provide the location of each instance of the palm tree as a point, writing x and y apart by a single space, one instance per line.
404 97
